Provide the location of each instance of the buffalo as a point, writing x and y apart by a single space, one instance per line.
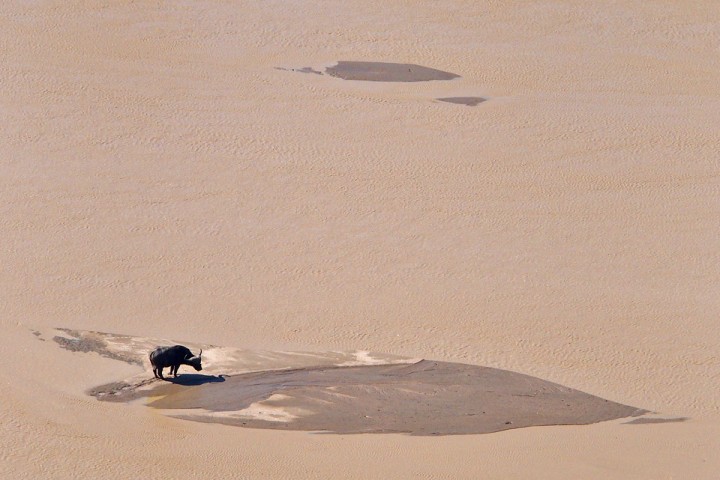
173 357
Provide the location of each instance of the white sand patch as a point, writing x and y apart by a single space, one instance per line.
364 357
263 410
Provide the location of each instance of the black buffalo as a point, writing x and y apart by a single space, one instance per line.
173 357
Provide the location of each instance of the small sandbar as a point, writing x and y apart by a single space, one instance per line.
469 101
300 70
96 342
650 420
387 72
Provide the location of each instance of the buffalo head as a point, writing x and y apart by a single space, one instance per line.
196 362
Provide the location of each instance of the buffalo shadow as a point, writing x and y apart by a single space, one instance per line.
194 379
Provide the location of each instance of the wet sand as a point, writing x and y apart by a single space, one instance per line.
425 398
342 392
